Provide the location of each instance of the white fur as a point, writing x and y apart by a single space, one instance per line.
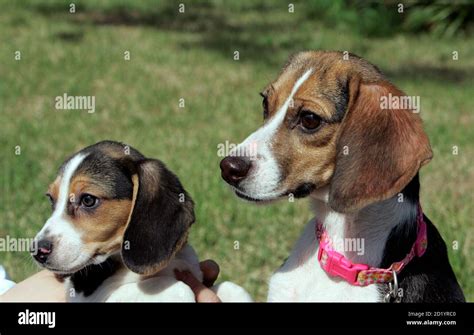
230 292
127 286
301 278
68 246
263 180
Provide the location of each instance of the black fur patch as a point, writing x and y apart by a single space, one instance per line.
87 280
109 173
429 278
160 218
341 100
303 190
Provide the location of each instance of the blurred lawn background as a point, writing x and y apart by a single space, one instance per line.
190 56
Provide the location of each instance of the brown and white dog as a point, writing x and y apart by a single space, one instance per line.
327 135
119 229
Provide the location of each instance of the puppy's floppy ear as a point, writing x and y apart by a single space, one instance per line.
378 150
161 215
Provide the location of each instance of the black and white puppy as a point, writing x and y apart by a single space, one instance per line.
119 229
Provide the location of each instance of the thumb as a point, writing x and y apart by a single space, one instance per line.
202 293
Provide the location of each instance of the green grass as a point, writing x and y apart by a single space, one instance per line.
190 56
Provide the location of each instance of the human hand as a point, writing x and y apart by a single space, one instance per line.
40 287
210 271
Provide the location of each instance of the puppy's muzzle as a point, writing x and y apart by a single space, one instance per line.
234 169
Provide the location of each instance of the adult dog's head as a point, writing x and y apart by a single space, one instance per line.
329 123
109 199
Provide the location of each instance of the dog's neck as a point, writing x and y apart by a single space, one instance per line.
87 280
365 236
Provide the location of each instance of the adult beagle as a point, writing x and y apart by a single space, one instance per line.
327 135
119 229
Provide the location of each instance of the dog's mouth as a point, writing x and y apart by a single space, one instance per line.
244 196
261 199
69 271
301 191
66 272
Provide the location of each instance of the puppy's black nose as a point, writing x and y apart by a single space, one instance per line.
234 169
42 251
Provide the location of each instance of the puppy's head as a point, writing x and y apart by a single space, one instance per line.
325 127
108 198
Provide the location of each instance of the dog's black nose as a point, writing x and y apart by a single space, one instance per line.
234 169
42 251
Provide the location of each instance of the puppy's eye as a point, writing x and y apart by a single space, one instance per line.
310 121
89 201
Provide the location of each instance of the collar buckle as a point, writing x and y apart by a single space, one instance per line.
336 264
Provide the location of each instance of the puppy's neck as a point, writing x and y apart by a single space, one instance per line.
87 280
362 236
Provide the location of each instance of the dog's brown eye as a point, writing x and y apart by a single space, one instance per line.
88 200
310 121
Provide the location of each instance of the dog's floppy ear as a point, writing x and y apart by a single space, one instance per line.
379 150
161 215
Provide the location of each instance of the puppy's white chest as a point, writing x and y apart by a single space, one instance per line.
302 279
127 286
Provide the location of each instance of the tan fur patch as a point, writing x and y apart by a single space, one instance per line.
135 183
103 231
102 228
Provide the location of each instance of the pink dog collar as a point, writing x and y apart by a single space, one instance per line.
335 264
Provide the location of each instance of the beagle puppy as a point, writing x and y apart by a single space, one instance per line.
119 229
328 136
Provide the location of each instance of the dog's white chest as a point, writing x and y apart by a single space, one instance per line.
301 278
127 286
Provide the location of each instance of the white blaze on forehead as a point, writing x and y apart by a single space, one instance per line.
268 130
57 223
68 172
